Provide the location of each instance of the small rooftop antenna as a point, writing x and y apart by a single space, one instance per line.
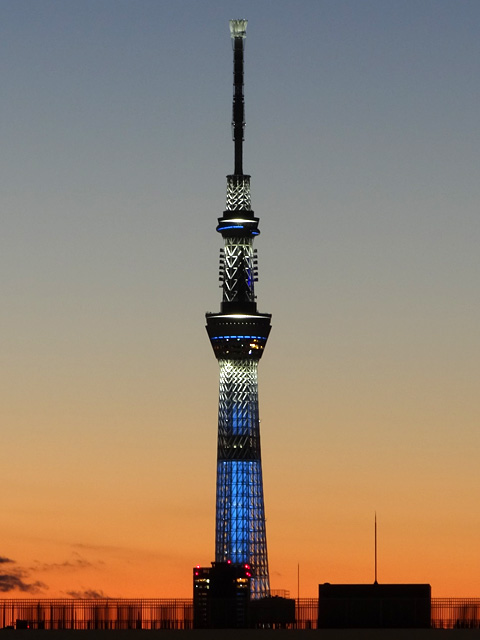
298 581
376 582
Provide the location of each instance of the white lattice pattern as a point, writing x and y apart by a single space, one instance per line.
238 270
238 193
240 514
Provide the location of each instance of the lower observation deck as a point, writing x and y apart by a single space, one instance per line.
238 336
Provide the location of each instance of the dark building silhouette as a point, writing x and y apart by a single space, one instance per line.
221 595
221 600
274 612
238 334
374 606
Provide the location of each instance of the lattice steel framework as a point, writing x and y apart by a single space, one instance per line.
238 269
238 193
240 517
238 335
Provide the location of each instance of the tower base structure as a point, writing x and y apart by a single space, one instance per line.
221 594
221 600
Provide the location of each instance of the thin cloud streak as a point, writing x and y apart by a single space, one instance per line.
87 594
67 565
12 581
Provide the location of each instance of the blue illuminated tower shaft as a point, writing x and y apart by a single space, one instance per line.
238 334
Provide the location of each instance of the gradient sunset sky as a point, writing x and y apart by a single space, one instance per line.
363 142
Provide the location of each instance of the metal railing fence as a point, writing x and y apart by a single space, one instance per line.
156 613
455 613
105 613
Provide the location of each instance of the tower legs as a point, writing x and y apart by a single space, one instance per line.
240 511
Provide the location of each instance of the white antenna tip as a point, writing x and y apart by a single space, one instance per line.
238 28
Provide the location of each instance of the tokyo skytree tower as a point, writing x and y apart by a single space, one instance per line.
238 334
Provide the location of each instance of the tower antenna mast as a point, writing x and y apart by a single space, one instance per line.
238 30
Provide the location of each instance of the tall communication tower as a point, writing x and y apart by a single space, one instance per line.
238 335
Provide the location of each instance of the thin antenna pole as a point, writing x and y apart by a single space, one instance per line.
298 581
376 548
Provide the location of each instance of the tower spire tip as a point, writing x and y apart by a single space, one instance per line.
238 28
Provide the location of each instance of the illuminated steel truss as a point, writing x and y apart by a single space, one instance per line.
238 269
240 517
238 335
238 193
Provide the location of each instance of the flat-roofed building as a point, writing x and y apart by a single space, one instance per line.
374 606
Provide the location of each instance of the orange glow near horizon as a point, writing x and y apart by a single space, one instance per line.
131 547
111 470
